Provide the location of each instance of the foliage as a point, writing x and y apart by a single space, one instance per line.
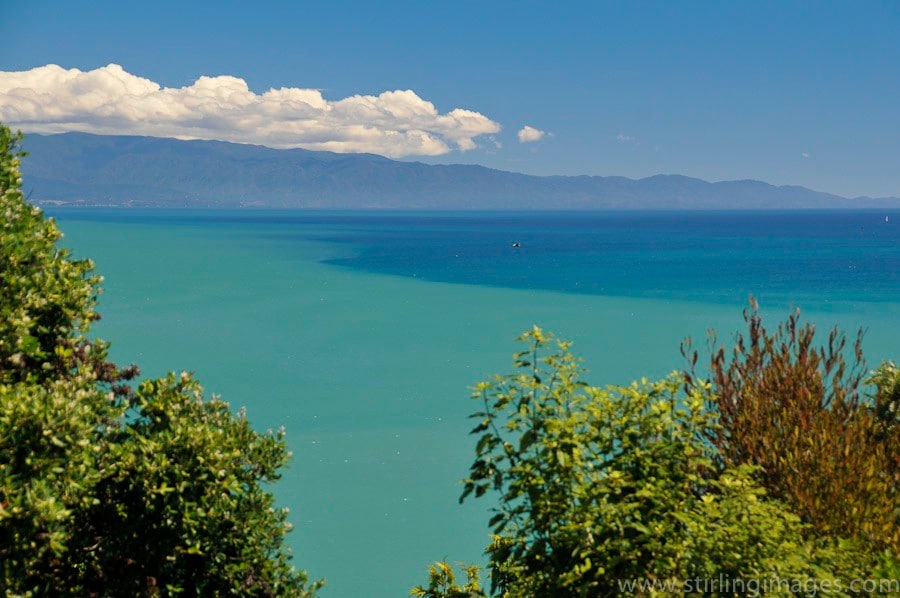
886 400
104 490
51 443
47 299
188 470
598 485
442 583
794 410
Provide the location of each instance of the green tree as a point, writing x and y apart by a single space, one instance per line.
103 489
601 485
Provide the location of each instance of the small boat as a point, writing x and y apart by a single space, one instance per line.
516 244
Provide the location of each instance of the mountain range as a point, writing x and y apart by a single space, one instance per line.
126 171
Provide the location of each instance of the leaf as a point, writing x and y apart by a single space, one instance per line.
527 439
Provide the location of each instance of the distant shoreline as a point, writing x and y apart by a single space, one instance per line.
64 205
104 171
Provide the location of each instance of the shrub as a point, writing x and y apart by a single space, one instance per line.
597 486
795 411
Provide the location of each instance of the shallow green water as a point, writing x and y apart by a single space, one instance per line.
369 373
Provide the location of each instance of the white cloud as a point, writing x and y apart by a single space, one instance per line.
625 138
109 100
528 134
805 154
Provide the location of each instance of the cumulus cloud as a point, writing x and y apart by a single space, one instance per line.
805 154
109 100
625 138
528 134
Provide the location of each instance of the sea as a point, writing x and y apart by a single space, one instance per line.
361 333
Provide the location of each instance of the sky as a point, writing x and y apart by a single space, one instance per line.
804 93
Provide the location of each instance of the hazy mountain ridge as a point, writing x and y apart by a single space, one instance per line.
84 169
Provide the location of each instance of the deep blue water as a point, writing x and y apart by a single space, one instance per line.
709 256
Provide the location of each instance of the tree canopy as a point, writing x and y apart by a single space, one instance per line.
108 489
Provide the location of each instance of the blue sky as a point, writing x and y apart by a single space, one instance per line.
791 93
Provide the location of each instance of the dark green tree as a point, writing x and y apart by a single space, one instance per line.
105 490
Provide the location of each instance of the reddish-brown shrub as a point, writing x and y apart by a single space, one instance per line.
795 410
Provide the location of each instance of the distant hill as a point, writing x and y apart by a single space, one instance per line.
83 169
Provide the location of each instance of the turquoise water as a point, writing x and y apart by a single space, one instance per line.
361 333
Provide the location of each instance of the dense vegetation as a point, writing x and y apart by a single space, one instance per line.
777 460
798 412
106 489
775 469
